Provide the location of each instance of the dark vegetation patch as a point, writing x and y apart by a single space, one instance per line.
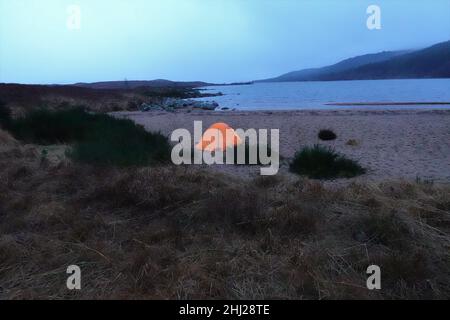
320 162
97 138
5 115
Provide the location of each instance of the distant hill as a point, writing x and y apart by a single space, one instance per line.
159 83
432 62
317 73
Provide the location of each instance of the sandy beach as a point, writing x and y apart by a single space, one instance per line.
390 144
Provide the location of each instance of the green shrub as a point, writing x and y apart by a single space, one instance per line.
97 138
122 143
327 135
324 163
49 127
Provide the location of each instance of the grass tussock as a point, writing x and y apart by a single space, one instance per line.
320 162
186 233
352 143
97 138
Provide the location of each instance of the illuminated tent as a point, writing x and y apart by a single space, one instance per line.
219 136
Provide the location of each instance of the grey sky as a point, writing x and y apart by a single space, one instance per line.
209 40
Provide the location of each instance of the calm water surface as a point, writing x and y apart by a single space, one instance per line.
316 95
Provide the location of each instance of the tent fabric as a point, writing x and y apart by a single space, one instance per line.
218 136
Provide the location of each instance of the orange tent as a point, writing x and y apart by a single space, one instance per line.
219 136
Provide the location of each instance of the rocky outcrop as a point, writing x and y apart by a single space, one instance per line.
172 104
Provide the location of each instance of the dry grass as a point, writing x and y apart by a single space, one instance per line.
7 140
20 99
186 233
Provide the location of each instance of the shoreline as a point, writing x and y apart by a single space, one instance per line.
387 103
311 111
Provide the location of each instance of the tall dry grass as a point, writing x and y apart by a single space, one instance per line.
187 233
23 98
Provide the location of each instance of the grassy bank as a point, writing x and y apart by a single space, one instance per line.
170 232
24 98
95 138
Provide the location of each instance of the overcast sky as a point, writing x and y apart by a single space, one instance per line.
210 40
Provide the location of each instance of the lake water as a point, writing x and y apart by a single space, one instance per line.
316 95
